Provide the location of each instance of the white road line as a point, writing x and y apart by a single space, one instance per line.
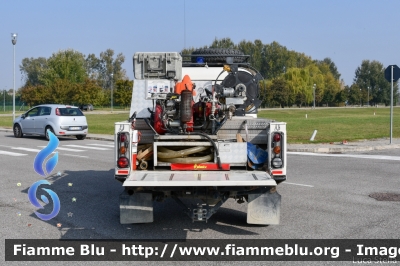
362 156
303 185
12 153
86 147
73 155
64 149
25 149
103 145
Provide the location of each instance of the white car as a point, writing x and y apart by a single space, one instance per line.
62 120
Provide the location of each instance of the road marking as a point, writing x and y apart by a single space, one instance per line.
25 149
12 153
303 185
361 156
103 145
64 149
86 147
74 155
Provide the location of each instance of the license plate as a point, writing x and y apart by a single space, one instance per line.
74 128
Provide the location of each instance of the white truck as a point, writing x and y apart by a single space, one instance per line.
193 135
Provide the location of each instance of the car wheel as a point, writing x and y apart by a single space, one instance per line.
17 131
46 134
81 137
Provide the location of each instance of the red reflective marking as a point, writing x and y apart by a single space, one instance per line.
133 161
198 167
277 172
122 172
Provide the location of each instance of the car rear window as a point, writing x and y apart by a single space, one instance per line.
70 112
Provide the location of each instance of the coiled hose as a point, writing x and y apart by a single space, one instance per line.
213 143
171 156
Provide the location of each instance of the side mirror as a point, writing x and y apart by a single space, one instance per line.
23 116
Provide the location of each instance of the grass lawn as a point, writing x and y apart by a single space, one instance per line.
333 124
336 124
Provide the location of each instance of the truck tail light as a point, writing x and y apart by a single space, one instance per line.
276 156
123 162
123 150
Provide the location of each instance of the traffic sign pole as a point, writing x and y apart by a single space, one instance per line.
392 74
391 109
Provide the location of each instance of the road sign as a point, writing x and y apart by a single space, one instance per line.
396 73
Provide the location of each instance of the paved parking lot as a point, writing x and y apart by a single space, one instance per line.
325 196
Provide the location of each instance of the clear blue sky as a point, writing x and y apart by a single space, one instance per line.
346 31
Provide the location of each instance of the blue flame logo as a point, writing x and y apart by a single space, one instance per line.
38 167
32 197
41 156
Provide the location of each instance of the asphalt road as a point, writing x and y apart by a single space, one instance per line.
325 196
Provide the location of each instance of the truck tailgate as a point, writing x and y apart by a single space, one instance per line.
198 179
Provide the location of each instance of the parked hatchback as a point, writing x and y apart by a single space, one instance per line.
86 107
62 120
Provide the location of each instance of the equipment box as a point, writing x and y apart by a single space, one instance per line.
157 65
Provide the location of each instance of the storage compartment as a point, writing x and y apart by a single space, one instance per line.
163 65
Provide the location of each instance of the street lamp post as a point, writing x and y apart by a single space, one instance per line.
4 100
368 98
14 42
360 97
314 96
112 75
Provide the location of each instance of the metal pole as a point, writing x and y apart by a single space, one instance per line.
314 95
4 103
14 87
391 108
368 98
112 92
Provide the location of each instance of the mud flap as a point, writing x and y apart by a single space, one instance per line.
264 208
136 208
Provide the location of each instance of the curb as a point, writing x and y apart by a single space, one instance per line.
344 148
341 150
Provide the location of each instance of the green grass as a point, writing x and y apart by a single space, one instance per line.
336 124
104 123
333 124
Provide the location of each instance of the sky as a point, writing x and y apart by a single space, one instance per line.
346 31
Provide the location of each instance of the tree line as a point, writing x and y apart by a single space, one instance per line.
293 78
69 77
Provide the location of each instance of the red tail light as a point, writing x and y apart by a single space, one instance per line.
123 162
277 137
276 156
123 150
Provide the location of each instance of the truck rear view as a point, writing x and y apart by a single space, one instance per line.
193 136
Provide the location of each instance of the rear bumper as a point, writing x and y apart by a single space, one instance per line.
62 132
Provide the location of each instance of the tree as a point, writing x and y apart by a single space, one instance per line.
328 64
87 92
32 69
371 75
69 65
101 68
223 43
280 92
353 94
123 92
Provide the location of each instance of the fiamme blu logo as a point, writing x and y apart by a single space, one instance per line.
44 169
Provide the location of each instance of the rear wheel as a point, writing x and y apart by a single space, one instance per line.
81 137
17 131
47 134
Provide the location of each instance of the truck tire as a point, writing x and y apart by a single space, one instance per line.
218 55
